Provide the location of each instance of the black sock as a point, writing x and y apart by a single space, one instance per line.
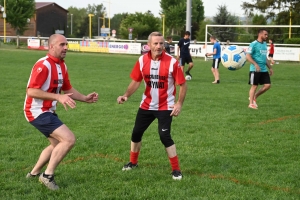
47 175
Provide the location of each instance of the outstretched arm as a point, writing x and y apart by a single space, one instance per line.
133 86
90 98
64 99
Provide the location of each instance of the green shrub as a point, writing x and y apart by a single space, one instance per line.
292 41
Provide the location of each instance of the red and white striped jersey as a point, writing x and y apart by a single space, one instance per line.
50 75
160 78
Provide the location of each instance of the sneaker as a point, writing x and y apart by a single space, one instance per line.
188 73
176 175
129 166
254 102
29 175
252 106
48 182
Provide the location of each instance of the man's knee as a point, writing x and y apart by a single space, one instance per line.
136 137
267 86
65 135
166 139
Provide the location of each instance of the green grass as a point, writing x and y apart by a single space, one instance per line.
226 150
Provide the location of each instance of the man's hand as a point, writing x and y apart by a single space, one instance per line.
257 68
66 100
176 109
271 72
92 98
121 99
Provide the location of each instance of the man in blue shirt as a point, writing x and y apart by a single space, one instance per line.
216 58
257 56
184 55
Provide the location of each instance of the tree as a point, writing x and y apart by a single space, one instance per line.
271 7
18 12
279 11
175 15
116 20
80 19
223 17
141 23
200 34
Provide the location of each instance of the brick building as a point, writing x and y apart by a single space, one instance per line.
48 18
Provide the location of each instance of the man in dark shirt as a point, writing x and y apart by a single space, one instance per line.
183 52
167 44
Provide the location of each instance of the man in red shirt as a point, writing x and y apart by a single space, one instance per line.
271 51
160 72
48 77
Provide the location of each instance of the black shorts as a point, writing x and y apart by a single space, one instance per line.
270 55
261 78
145 117
216 63
185 59
47 123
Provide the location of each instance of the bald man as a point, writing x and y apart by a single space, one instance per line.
49 76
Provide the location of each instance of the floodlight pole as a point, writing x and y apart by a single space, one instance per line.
90 19
163 24
71 24
189 16
290 28
4 22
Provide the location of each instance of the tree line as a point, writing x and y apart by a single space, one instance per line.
256 12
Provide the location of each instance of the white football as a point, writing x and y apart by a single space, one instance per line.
188 77
233 57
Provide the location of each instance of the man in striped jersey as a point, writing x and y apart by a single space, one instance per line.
161 73
49 76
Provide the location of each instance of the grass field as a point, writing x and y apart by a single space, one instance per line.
226 150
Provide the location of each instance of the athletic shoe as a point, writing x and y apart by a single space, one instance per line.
188 73
252 106
254 102
129 166
29 175
48 182
176 175
216 82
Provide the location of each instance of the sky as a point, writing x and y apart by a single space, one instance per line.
132 6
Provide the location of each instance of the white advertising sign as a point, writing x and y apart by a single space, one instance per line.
33 43
127 48
281 53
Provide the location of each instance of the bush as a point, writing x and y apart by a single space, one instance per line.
292 41
176 37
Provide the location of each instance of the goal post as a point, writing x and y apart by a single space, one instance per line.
244 26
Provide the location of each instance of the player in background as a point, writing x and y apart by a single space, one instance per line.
257 56
271 52
167 44
183 53
216 59
161 74
48 77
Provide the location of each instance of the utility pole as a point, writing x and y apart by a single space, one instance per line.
189 16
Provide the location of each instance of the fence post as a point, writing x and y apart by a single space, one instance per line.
18 38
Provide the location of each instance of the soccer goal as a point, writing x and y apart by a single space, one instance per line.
295 54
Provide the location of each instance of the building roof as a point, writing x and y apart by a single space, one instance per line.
39 5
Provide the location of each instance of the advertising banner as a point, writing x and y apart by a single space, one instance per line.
127 48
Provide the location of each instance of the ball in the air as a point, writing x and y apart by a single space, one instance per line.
233 57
